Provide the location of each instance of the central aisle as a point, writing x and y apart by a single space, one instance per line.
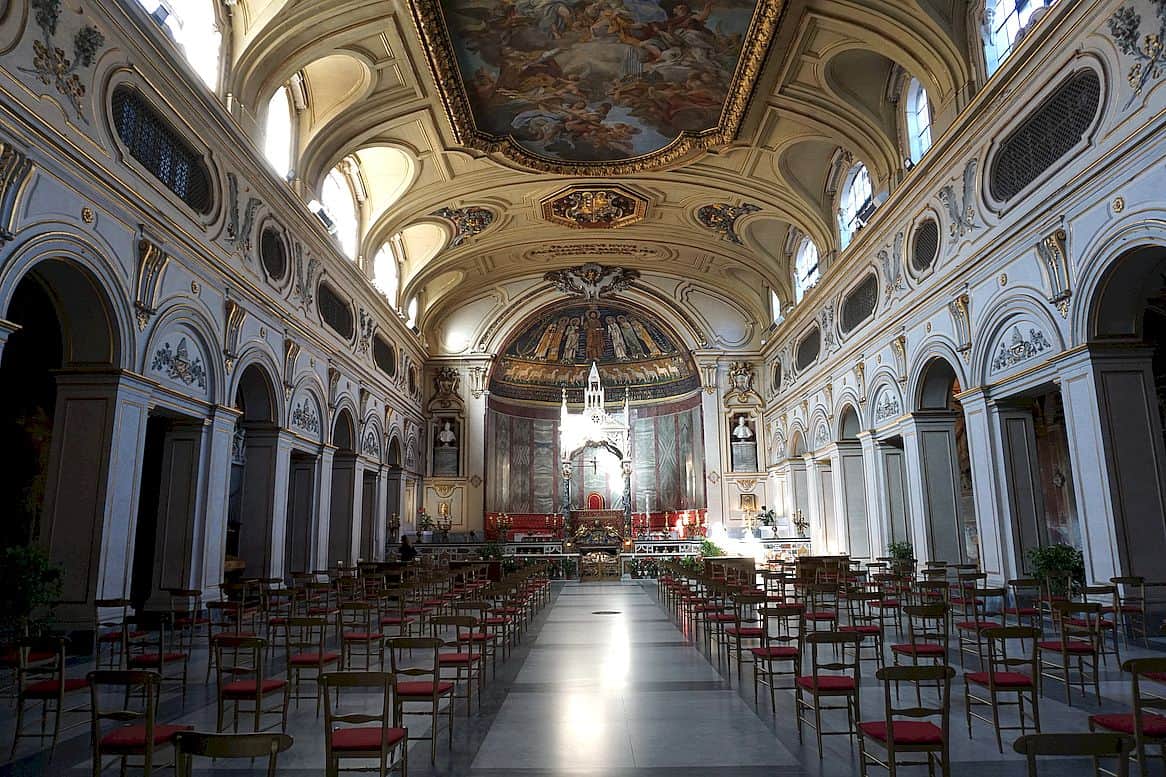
622 691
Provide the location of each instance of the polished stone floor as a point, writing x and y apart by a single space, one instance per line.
606 683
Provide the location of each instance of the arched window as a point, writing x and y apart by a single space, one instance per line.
192 25
277 134
805 268
918 120
855 206
1005 21
337 209
386 273
774 306
411 314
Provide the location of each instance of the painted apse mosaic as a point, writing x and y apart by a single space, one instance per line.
557 348
581 82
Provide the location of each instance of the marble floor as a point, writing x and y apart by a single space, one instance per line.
606 683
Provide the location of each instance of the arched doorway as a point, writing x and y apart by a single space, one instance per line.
254 455
850 484
345 507
949 510
63 411
1127 359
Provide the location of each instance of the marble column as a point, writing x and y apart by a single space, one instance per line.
819 531
876 501
934 486
850 500
211 543
92 487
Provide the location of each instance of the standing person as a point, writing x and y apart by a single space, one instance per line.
407 552
593 328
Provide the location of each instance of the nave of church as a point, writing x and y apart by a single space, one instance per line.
817 342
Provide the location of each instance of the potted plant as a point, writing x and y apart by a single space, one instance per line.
1061 568
29 582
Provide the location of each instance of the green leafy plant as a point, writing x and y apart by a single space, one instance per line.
1059 567
692 564
424 521
710 548
491 550
29 581
901 551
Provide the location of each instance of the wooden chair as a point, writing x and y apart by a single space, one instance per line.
1079 625
928 634
838 678
358 624
224 618
822 606
466 663
782 628
973 619
40 677
304 644
1077 745
1129 605
155 651
188 616
420 683
865 616
239 663
188 744
1005 675
1025 605
1146 723
744 629
906 730
138 735
345 734
111 637
1107 621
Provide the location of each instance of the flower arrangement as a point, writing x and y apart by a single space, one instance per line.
424 520
767 516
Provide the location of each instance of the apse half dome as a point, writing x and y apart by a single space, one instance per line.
555 349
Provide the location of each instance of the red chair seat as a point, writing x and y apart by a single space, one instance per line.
187 622
904 732
1158 677
47 689
977 625
396 620
433 602
12 658
722 617
921 649
366 738
744 632
775 651
132 739
1084 624
115 636
362 636
821 615
152 659
1003 679
321 610
1152 725
826 683
1022 611
863 629
497 621
248 688
1073 646
889 603
313 659
417 610
233 638
422 688
458 658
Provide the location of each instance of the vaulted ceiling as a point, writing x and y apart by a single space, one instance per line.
826 94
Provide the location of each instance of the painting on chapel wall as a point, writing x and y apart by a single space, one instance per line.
557 348
562 83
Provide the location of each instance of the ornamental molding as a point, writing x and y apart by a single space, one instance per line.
595 207
152 261
177 364
15 169
887 406
234 316
305 416
721 218
49 63
961 206
239 230
467 222
961 317
591 280
1018 348
1148 52
1052 252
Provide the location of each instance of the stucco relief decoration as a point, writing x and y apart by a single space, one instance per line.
887 407
478 381
829 338
961 205
239 231
590 207
291 354
892 264
305 416
961 317
1148 52
822 437
1018 348
467 222
1053 254
235 315
368 326
152 261
15 167
569 250
446 385
592 281
721 218
740 382
370 446
177 364
303 290
476 481
899 351
49 63
586 89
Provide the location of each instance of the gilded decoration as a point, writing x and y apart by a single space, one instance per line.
721 218
583 88
591 207
1148 52
467 222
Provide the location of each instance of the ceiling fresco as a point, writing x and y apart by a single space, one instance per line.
596 85
556 349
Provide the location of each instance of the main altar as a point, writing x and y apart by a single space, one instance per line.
594 427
